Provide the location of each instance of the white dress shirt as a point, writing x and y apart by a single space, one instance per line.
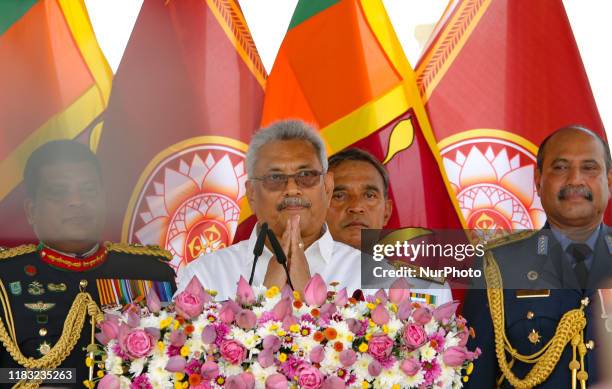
334 261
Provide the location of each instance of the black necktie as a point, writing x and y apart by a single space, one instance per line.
580 252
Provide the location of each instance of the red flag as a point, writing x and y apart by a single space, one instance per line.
187 97
498 78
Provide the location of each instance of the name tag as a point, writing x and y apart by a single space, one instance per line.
532 293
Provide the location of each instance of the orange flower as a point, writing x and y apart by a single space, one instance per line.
330 333
433 343
416 305
180 319
352 300
472 333
195 379
189 329
338 346
315 312
318 336
297 304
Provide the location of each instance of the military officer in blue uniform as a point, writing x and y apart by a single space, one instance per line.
48 289
539 330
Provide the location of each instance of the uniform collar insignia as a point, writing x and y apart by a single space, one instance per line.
542 245
70 263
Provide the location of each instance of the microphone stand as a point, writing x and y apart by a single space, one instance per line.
258 249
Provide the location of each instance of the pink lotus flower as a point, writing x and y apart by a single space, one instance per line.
153 302
277 381
381 296
315 291
282 309
133 319
272 342
317 354
228 311
463 336
334 383
266 358
380 346
422 315
327 310
190 302
410 367
109 381
374 368
288 321
244 294
209 334
444 312
454 356
176 364
177 338
341 298
286 292
399 291
110 326
380 315
348 357
136 343
309 377
414 336
240 381
404 310
246 319
232 351
209 370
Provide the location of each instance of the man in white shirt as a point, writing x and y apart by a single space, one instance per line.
290 189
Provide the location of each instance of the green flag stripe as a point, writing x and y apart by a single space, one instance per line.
308 8
11 11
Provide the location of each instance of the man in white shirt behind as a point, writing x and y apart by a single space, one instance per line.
290 189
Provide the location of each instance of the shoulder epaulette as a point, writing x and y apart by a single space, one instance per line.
510 238
136 249
7 253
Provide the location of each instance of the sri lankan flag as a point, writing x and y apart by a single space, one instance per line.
186 98
54 83
499 77
341 67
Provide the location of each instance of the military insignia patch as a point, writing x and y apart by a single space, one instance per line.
35 288
15 288
39 306
30 270
61 287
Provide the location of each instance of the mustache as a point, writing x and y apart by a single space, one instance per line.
293 202
571 190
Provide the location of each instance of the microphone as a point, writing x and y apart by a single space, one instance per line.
279 254
258 249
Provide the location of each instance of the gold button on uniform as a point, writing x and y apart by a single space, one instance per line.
42 332
590 344
530 315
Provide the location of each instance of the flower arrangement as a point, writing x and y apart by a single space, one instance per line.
274 339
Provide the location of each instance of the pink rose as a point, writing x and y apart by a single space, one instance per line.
277 381
309 377
137 343
232 351
414 336
315 291
454 356
410 367
380 347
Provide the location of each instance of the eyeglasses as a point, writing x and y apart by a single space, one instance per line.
278 181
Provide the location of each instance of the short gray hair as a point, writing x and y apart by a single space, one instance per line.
285 130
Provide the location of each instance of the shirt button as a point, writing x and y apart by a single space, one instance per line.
42 332
530 315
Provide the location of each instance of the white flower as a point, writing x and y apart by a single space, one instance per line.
428 353
445 379
345 336
136 366
261 374
431 327
331 361
393 327
451 340
350 313
124 382
268 328
415 381
195 346
157 373
269 303
389 377
305 343
360 367
227 369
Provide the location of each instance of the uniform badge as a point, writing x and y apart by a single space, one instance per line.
39 306
30 270
35 288
534 337
44 348
61 287
15 288
532 275
542 245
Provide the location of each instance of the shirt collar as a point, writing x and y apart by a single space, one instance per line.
89 253
325 244
565 241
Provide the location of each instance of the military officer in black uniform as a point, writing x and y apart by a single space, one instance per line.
44 316
539 331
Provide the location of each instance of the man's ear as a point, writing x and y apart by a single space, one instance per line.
250 193
537 175
28 206
610 183
328 185
388 211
